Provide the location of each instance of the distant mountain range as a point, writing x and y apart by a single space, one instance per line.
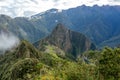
100 24
21 27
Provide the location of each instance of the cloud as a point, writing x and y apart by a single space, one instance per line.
15 8
7 41
34 1
116 0
1 0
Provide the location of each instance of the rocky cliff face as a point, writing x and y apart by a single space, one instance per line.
67 40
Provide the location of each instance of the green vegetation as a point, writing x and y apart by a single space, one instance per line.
27 63
109 64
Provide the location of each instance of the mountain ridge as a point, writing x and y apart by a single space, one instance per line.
87 20
94 22
20 27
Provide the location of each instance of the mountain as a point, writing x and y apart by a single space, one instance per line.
67 40
15 62
21 27
99 23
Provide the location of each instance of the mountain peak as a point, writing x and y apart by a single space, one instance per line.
67 40
59 28
4 18
60 25
26 50
52 10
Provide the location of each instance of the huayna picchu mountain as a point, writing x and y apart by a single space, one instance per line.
67 40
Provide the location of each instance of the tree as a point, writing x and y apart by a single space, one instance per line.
109 64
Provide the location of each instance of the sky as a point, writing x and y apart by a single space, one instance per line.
17 8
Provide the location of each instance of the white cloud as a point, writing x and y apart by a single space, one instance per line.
23 7
7 41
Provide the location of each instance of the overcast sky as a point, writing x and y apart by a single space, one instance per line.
15 8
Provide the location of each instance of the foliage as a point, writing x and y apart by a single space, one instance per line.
48 65
109 64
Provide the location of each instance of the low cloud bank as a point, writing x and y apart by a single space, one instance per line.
7 41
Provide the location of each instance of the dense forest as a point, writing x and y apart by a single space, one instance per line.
28 63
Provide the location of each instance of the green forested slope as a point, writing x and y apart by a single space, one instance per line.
27 63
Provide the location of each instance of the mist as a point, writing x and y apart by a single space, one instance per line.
7 41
